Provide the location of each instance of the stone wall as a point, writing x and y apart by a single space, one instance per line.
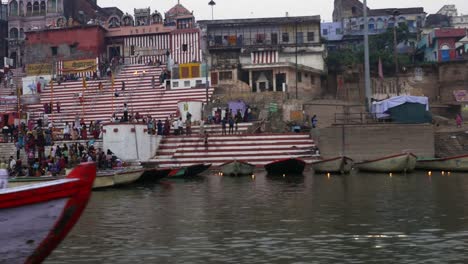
363 142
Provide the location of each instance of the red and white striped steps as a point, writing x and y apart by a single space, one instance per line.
138 94
258 149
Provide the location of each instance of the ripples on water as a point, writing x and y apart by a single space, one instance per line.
361 218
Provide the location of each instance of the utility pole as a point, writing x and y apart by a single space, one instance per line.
368 87
395 50
297 67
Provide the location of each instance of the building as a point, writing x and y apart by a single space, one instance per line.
28 15
266 54
440 45
148 37
3 32
454 19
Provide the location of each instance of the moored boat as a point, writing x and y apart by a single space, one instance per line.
36 218
405 162
286 167
334 165
154 174
237 168
189 171
104 179
22 181
457 163
127 175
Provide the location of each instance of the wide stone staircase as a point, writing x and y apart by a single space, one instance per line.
258 149
99 105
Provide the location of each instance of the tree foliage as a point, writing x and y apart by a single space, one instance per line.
380 46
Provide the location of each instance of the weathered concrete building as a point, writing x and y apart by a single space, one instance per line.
28 15
439 45
146 36
3 32
266 54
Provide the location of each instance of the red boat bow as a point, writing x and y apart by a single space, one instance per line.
68 197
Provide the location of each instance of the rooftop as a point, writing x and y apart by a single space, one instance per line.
268 20
402 11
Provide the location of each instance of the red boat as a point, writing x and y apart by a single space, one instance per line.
35 218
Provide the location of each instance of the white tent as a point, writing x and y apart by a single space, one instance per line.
380 108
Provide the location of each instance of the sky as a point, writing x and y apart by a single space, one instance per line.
225 9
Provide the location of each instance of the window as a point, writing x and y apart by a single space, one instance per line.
186 83
311 36
36 8
184 47
43 7
175 84
300 37
274 38
54 51
198 83
299 76
226 75
132 50
338 31
285 37
73 48
324 32
14 33
260 38
218 40
13 8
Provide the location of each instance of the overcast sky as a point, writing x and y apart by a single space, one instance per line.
272 8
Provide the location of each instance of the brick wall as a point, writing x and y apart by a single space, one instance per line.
362 142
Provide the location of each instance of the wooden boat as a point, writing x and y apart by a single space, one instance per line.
36 218
189 171
458 163
127 175
154 174
237 168
117 177
405 162
286 167
334 165
22 181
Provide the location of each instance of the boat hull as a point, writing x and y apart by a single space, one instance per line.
286 167
127 176
37 217
18 182
104 180
153 175
237 168
459 163
190 171
398 163
335 165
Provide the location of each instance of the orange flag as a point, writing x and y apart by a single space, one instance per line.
85 86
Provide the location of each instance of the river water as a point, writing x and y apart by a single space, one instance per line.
360 218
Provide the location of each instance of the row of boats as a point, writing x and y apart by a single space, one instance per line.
55 205
400 163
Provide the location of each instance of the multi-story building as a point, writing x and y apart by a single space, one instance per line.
267 54
440 45
350 14
29 15
3 32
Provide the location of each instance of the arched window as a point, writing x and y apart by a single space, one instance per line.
13 8
114 22
371 24
21 33
36 9
43 7
380 23
21 8
391 22
51 6
13 33
29 9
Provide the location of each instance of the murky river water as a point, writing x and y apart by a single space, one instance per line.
362 218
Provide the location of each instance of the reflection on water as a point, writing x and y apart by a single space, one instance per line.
361 218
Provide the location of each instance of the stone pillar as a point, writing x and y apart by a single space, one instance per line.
251 80
274 80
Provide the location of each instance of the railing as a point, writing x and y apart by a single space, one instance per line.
355 118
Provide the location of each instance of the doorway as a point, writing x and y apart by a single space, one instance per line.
280 79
